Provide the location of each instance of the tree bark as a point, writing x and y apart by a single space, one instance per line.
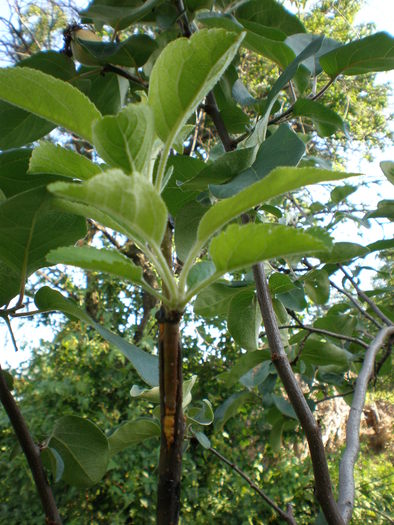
171 415
32 453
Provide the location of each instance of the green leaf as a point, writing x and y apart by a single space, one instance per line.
293 299
49 98
222 169
129 200
30 226
300 41
276 435
52 460
83 449
340 193
202 439
89 258
18 127
342 252
152 394
284 406
202 414
132 433
48 158
369 54
276 50
184 73
107 92
215 299
186 225
14 178
261 39
280 283
257 375
383 244
132 52
244 364
231 407
271 14
321 353
145 364
325 119
176 194
199 272
187 388
244 320
279 181
385 209
291 70
283 148
241 246
317 286
118 16
387 166
125 140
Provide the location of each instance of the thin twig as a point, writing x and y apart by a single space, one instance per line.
31 451
284 515
346 468
328 398
326 332
365 298
356 304
109 68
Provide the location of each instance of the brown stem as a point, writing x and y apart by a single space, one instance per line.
171 415
323 486
287 516
32 453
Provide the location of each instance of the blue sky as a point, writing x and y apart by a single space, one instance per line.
381 12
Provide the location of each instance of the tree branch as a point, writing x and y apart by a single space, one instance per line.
286 516
365 298
323 486
346 467
31 451
325 332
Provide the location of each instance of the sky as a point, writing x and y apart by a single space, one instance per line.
381 12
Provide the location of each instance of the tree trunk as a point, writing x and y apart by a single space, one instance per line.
171 415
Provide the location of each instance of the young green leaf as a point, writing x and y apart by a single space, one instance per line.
83 448
49 98
241 246
369 54
119 16
90 258
48 158
270 13
184 73
215 299
132 433
131 201
387 166
146 365
279 181
125 140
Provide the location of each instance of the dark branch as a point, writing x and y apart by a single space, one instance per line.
31 451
